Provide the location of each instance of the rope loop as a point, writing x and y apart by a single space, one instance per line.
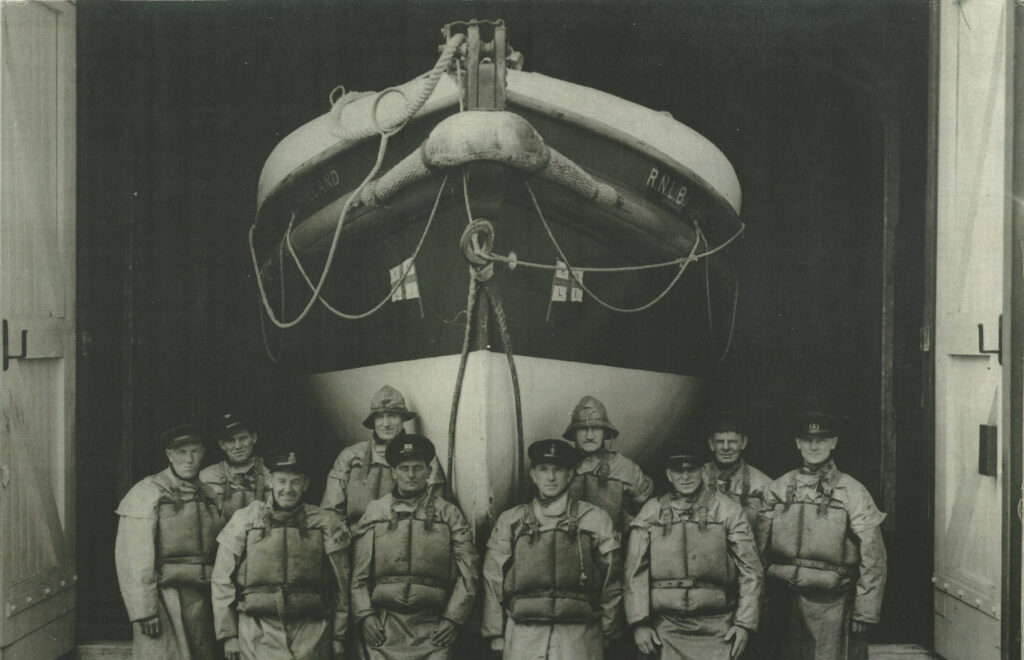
333 97
477 241
376 103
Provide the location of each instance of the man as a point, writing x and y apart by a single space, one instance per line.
693 576
280 584
604 477
826 553
361 474
241 477
730 475
414 573
164 554
552 585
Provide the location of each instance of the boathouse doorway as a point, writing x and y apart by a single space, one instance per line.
823 113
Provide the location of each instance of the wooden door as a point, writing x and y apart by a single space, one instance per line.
37 307
971 211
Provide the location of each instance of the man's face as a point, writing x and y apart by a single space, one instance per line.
551 480
288 488
590 439
186 459
387 425
411 476
685 480
816 449
727 446
238 446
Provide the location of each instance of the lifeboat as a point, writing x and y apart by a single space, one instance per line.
496 243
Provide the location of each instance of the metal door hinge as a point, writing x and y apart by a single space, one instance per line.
24 346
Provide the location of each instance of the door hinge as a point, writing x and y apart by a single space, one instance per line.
8 356
926 339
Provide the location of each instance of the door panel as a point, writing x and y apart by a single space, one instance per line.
970 217
37 266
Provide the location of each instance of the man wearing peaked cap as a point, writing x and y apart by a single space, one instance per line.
729 474
281 581
241 477
361 472
167 529
826 559
552 583
415 567
692 587
605 477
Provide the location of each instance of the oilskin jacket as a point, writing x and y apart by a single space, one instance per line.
614 483
825 537
361 475
542 569
235 490
414 555
692 557
745 485
288 570
165 542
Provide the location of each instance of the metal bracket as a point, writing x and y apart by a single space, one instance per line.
24 346
981 341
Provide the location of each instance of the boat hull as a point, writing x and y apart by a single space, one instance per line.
651 410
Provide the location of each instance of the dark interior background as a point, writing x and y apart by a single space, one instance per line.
180 104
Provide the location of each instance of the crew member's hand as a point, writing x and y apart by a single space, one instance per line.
739 636
373 630
232 651
338 647
150 627
646 639
443 633
860 627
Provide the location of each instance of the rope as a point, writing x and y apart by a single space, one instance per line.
626 310
493 302
398 283
506 341
512 260
470 304
442 64
263 324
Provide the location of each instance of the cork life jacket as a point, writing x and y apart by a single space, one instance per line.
186 537
600 489
691 571
235 495
284 572
413 565
553 577
811 543
367 481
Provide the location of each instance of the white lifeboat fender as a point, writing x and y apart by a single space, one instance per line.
487 135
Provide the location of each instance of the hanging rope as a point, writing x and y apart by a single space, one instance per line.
626 310
443 62
398 283
492 302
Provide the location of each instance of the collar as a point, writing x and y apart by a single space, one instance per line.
726 474
187 484
825 472
554 506
241 469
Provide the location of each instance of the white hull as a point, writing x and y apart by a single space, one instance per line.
651 410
